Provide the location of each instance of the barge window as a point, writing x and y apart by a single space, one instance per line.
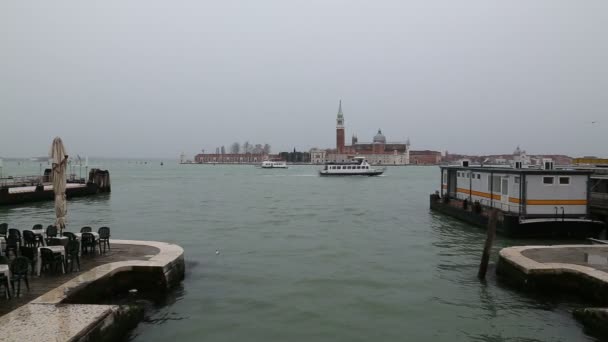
479 176
564 180
548 180
494 184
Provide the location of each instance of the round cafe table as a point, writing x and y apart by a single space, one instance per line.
79 235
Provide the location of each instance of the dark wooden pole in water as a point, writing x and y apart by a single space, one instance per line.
485 257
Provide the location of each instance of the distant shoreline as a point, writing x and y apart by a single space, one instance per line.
305 164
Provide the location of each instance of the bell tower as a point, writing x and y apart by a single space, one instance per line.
340 130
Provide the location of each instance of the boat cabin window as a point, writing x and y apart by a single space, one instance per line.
479 176
564 180
548 180
516 180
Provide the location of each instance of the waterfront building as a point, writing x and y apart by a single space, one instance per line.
425 157
591 161
317 156
509 159
379 151
295 157
233 158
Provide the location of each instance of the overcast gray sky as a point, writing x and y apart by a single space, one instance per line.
155 78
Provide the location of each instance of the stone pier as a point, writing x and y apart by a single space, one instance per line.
569 270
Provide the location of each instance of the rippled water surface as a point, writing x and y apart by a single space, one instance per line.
305 258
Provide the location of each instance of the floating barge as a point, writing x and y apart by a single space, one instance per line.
34 189
543 202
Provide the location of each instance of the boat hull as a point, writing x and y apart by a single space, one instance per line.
369 174
510 225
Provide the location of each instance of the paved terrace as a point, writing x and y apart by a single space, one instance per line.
51 309
49 281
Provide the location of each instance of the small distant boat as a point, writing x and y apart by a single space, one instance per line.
273 164
357 167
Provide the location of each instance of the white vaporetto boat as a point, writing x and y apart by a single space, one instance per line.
271 164
357 167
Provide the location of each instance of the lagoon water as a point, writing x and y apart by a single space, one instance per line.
305 258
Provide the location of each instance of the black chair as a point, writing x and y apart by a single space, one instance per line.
37 227
7 288
19 268
104 237
69 235
12 243
28 238
3 229
30 254
51 232
86 229
73 255
4 279
50 261
14 232
88 243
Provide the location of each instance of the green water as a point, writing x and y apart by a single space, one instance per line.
308 258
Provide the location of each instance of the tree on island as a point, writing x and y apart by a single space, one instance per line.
247 147
235 148
266 149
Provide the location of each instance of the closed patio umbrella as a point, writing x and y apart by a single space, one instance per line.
59 158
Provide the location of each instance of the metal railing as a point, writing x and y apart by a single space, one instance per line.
508 207
10 182
599 199
19 181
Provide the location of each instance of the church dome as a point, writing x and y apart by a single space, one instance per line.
380 138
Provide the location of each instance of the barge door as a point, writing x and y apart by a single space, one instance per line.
452 183
505 194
